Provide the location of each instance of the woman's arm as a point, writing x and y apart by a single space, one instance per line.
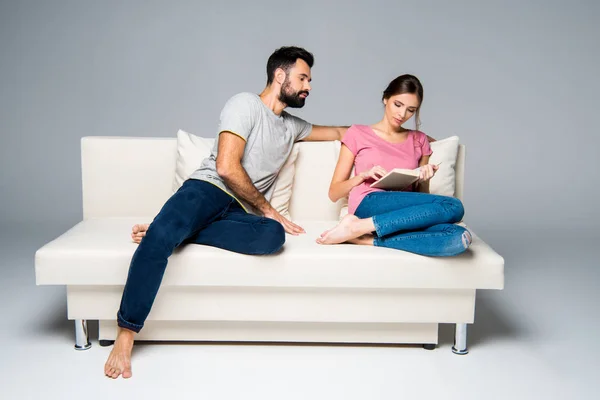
340 183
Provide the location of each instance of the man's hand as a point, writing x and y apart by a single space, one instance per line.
288 225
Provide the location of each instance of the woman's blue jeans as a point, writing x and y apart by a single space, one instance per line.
420 223
201 213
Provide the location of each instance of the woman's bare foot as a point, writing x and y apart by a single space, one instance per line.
350 227
325 233
138 232
119 359
364 240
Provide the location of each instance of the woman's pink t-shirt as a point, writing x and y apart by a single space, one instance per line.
370 150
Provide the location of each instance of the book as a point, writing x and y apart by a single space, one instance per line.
397 179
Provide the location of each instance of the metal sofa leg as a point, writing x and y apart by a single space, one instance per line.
82 340
460 340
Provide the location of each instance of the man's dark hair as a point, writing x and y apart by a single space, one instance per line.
285 58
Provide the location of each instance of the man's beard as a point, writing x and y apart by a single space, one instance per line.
292 99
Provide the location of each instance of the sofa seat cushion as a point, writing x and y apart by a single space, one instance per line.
98 252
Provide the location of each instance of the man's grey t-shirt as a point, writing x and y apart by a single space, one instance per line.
269 141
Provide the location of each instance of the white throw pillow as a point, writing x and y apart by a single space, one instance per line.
445 151
282 193
444 181
192 150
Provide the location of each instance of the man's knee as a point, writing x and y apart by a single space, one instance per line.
159 238
272 236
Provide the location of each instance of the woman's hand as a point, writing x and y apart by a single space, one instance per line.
376 172
427 172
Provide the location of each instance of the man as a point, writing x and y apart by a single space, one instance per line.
225 203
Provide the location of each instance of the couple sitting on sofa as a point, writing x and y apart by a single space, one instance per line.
225 203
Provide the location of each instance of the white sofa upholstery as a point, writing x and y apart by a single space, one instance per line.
306 293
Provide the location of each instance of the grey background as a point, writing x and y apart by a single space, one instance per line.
517 81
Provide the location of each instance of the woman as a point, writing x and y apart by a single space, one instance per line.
411 220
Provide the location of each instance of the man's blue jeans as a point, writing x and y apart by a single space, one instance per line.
420 223
201 213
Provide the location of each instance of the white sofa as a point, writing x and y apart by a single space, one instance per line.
306 293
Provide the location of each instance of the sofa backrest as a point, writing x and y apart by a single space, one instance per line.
126 176
314 168
133 177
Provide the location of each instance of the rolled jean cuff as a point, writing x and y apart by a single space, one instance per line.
128 325
377 226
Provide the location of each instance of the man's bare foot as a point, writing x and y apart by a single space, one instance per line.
119 359
350 227
138 232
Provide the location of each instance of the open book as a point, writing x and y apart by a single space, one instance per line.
397 179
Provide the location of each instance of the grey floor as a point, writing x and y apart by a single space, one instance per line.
537 339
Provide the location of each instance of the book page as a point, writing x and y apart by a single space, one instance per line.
397 179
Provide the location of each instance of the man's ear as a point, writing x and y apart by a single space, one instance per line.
280 76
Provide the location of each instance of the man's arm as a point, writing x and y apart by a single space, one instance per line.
229 168
325 133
